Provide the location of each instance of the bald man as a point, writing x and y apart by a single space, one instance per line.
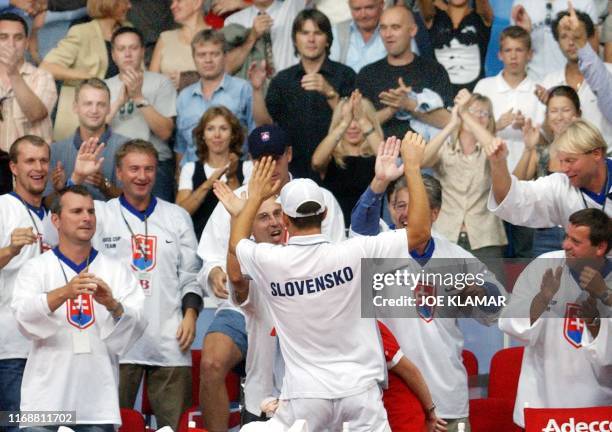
393 82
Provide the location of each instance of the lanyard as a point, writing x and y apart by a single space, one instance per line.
80 319
139 245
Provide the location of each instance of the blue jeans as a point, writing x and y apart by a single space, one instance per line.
164 182
76 428
547 240
11 373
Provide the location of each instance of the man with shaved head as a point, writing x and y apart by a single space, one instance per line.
394 82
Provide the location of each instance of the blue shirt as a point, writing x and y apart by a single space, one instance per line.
598 77
234 93
365 217
360 52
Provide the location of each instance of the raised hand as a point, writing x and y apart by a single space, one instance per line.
261 186
531 134
413 150
386 169
83 283
21 237
257 74
58 177
574 25
316 82
541 93
551 281
88 160
519 120
462 99
261 24
497 150
521 17
232 203
593 282
505 120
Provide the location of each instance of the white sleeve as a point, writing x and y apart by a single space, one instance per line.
120 335
489 315
390 244
515 318
533 203
189 262
29 304
599 349
333 224
186 177
246 253
213 245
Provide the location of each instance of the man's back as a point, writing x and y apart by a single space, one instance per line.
313 289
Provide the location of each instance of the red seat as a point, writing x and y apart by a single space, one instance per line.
505 372
131 421
232 380
492 414
470 362
194 414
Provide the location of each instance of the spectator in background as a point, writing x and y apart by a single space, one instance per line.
460 162
539 160
143 105
214 87
536 17
571 75
345 158
460 36
84 53
173 54
301 99
91 107
151 17
27 93
512 91
219 138
388 82
270 21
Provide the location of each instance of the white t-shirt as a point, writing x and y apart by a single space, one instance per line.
161 94
186 177
283 13
503 98
14 214
547 56
562 366
588 101
56 377
313 289
166 274
434 342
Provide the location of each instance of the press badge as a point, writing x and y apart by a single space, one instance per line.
80 342
146 283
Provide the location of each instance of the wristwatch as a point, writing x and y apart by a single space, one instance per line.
331 94
143 103
107 184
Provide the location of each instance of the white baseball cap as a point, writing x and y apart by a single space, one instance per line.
300 191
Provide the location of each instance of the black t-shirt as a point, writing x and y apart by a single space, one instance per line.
348 183
462 51
419 74
305 115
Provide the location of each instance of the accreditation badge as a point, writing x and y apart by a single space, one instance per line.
146 283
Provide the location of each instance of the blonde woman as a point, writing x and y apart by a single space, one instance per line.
345 159
84 53
458 158
172 55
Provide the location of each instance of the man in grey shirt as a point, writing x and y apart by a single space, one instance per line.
92 106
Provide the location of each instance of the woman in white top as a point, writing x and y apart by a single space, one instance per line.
219 138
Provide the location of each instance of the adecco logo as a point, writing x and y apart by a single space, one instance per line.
572 426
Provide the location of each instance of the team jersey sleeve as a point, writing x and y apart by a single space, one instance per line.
533 203
246 252
213 245
390 244
119 335
189 264
29 304
515 319
391 347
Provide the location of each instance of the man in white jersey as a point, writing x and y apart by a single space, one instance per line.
81 309
585 181
561 307
225 343
261 335
430 336
156 239
333 357
25 232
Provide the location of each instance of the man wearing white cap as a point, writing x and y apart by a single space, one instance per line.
333 357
